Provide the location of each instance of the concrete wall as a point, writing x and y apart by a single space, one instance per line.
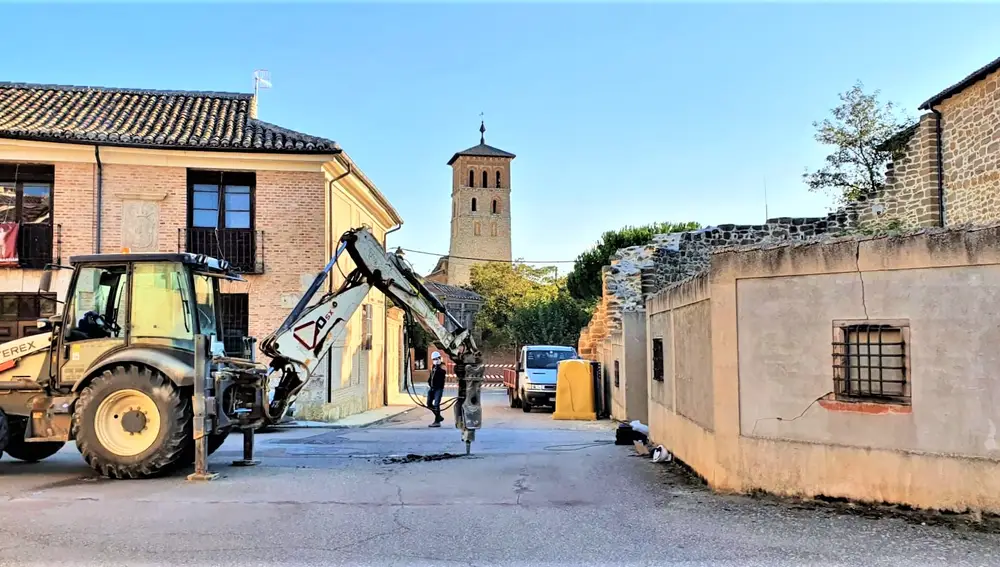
953 359
633 366
772 313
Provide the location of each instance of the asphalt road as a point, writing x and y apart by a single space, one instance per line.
535 492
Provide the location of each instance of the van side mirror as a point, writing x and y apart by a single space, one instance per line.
45 283
520 367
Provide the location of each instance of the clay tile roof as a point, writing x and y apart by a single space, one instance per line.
183 120
976 76
481 150
445 291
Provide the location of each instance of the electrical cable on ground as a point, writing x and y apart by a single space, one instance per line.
407 379
577 446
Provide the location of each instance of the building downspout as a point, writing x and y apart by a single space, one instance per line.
100 197
940 163
385 330
329 281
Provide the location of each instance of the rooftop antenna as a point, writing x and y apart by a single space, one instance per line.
766 216
261 80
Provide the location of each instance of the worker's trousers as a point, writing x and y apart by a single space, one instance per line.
434 402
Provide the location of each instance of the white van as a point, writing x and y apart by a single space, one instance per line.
535 381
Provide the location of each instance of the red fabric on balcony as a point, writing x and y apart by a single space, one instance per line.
8 244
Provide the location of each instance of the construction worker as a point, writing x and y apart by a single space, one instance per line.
435 383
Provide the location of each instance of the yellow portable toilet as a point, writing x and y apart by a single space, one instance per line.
575 391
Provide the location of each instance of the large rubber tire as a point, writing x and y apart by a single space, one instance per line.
187 456
510 398
166 415
4 431
33 452
525 406
216 441
22 450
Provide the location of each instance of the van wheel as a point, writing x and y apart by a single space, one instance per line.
510 398
525 406
131 422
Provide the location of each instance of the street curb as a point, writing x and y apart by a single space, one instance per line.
379 421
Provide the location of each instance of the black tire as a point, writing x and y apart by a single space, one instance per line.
216 441
4 431
525 406
32 452
174 431
510 398
22 450
187 456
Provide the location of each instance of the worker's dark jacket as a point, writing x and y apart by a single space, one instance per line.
437 377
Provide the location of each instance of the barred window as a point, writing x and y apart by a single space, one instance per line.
658 359
870 362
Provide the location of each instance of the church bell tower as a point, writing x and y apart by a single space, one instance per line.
480 208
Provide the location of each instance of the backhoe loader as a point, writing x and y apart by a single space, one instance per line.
120 372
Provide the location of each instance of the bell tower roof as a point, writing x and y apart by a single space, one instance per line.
481 150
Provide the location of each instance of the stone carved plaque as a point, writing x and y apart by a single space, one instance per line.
140 225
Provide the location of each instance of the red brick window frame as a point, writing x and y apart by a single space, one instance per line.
871 366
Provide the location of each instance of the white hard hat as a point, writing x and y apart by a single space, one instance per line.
436 355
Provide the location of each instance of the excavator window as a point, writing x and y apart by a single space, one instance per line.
204 294
97 305
162 306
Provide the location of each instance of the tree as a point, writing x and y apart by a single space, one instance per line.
858 130
553 322
505 289
584 282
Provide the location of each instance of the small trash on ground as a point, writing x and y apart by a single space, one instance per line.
640 428
624 435
661 455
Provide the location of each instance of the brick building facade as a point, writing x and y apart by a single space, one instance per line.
948 171
87 170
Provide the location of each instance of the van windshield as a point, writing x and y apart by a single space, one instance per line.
548 359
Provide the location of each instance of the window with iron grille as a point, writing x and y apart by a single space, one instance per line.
617 374
870 361
235 308
221 217
26 206
658 359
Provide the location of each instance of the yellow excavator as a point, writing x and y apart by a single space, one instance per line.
133 370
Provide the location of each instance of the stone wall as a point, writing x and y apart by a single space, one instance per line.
639 271
910 198
970 157
971 153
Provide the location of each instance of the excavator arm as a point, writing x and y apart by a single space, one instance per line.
298 345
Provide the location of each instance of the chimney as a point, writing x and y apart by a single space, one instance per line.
253 107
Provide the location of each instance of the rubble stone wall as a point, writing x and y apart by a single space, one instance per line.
638 271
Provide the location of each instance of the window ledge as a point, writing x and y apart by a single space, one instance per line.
870 408
142 195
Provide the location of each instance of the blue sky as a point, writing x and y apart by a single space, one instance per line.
619 114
